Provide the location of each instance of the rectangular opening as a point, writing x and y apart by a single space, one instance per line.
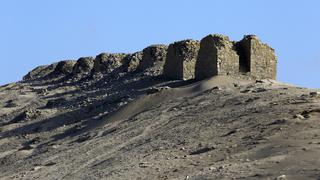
243 51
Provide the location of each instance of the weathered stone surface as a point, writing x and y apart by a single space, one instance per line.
27 115
83 65
257 59
216 57
153 58
188 59
106 63
181 60
64 67
133 61
40 72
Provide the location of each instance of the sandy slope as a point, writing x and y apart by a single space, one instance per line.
147 128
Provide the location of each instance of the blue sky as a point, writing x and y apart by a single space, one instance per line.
37 32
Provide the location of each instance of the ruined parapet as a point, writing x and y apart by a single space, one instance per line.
216 57
132 61
181 60
257 60
153 59
64 67
40 72
84 65
106 63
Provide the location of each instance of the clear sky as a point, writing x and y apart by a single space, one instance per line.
38 32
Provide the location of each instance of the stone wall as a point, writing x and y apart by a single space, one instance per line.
258 60
216 57
132 61
40 72
153 56
106 63
64 67
181 60
84 65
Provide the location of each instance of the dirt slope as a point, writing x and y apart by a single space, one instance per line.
143 127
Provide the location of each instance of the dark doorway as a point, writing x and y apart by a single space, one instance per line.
244 53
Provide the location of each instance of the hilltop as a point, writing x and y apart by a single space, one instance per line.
208 109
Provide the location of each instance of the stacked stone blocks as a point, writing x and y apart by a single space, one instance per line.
181 60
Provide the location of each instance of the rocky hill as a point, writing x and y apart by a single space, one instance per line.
208 109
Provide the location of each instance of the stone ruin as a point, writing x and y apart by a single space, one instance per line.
217 55
153 59
214 55
106 63
256 59
181 60
64 67
83 65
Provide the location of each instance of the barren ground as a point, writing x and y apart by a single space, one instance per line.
147 128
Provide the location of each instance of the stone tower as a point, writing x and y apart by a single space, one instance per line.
181 60
217 56
257 60
152 57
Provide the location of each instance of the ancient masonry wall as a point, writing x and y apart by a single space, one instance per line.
181 60
257 59
153 58
83 65
132 61
64 67
106 63
216 57
40 72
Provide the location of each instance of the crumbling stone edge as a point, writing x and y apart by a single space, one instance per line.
183 60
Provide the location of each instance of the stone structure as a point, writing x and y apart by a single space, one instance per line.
216 57
257 59
106 63
133 61
153 58
40 72
64 67
181 60
83 65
